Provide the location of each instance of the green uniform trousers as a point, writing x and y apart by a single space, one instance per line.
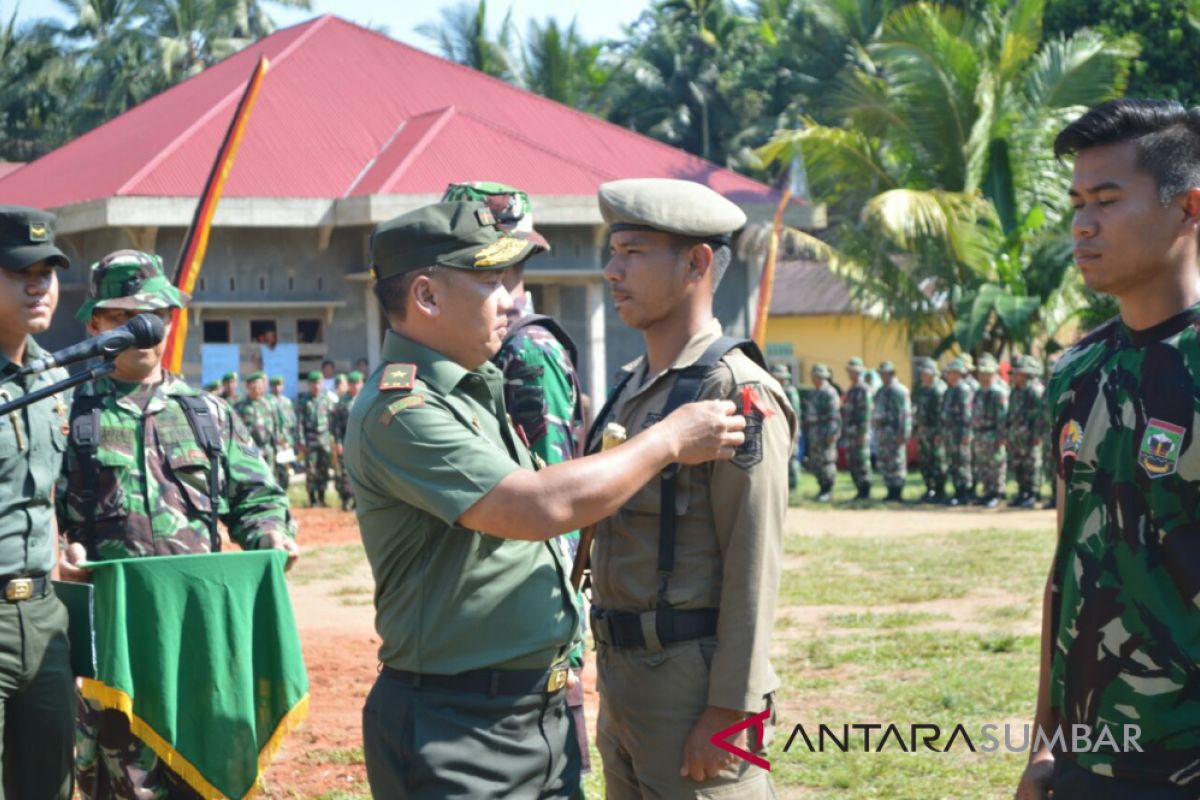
649 701
37 702
429 744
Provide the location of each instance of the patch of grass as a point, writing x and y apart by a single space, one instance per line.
328 563
1004 614
894 619
336 755
844 492
360 791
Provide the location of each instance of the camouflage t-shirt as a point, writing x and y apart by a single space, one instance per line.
1126 577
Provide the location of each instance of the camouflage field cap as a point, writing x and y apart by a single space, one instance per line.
315 375
458 234
887 367
781 371
508 204
354 376
927 366
276 380
27 237
130 280
821 371
986 365
855 363
1028 365
955 365
967 361
669 205
256 376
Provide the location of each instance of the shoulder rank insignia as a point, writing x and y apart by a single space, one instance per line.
395 407
398 376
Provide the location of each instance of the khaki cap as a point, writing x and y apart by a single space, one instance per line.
674 206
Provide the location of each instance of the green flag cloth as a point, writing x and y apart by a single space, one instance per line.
201 653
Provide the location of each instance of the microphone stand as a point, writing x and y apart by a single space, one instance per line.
83 376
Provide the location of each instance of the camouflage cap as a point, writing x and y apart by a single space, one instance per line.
459 235
855 363
257 375
130 280
821 371
315 375
967 361
27 237
986 365
276 380
955 365
508 204
887 367
686 208
354 376
781 371
926 366
1028 365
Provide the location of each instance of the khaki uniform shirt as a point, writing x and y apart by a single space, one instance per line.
426 439
32 441
729 533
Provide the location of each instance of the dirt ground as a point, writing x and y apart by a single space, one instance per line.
331 594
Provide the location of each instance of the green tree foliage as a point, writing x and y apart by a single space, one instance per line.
1166 30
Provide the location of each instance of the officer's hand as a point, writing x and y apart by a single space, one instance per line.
73 555
705 431
1035 781
281 541
701 758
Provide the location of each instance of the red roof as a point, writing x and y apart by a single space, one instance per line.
8 167
347 111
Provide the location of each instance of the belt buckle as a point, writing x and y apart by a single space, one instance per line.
18 589
556 680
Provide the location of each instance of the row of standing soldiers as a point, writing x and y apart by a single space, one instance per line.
313 429
971 429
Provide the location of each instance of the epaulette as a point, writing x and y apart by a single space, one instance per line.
398 376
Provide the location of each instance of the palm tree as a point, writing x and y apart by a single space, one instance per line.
463 36
558 63
941 172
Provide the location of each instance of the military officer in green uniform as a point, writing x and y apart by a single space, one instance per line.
313 427
259 414
229 387
684 603
37 700
783 373
285 426
473 602
339 420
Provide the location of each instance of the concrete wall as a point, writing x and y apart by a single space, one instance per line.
835 339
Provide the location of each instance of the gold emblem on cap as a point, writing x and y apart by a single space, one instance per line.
499 251
39 232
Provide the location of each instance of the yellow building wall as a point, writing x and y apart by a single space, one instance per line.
835 339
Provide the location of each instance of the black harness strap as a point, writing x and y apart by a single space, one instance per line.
85 441
204 428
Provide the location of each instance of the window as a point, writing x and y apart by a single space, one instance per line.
309 331
216 331
263 331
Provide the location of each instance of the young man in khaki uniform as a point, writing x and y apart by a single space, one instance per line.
684 604
473 602
37 701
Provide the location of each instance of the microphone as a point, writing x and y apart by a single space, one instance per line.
144 330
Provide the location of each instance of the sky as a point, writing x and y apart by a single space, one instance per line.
596 20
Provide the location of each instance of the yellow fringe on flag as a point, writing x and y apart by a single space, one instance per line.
117 700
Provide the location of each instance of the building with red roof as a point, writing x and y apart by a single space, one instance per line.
352 128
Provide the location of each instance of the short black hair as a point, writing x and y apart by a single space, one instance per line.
1166 134
392 292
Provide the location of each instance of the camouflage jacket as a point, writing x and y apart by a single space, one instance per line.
541 393
822 417
1126 574
989 411
892 417
150 491
793 397
339 416
285 416
1027 416
262 421
856 412
313 421
956 412
927 408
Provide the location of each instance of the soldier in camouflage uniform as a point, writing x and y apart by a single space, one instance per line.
783 374
229 387
856 428
927 424
989 413
1026 430
314 434
1120 646
259 415
144 490
341 414
892 423
955 434
969 373
285 425
822 424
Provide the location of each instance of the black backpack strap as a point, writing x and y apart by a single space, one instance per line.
204 428
84 440
685 390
